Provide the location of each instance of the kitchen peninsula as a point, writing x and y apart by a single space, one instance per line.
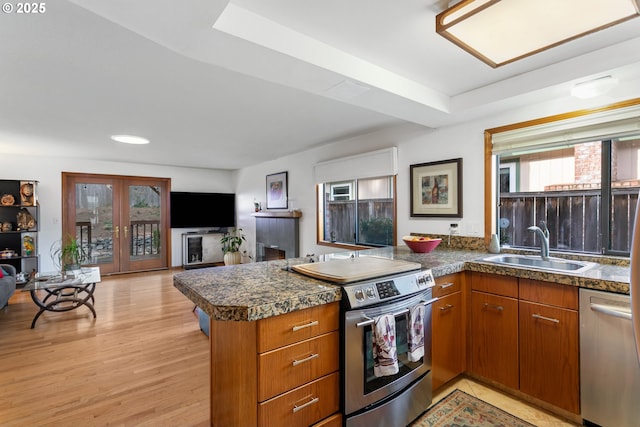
246 303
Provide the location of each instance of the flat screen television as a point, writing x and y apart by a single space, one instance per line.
202 210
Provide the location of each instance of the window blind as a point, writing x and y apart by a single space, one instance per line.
593 127
366 165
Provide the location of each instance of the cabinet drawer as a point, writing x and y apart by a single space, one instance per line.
302 406
333 421
289 328
495 284
549 293
297 364
448 284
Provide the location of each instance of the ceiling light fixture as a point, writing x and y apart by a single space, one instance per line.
593 88
500 32
130 139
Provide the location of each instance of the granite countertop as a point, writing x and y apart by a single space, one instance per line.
254 291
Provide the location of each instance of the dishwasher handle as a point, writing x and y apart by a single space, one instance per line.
611 311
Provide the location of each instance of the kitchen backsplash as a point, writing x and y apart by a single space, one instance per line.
478 244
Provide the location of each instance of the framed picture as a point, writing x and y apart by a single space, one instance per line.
277 191
436 189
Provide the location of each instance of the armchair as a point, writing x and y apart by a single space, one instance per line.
7 284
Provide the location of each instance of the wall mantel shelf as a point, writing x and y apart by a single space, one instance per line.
279 214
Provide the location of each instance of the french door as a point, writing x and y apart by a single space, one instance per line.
121 222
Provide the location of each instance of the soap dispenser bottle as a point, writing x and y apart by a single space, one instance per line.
494 244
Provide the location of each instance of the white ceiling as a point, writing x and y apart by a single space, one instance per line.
227 84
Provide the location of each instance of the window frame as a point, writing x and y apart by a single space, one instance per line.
336 197
491 184
342 245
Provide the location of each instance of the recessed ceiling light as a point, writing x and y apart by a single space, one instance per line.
593 88
130 139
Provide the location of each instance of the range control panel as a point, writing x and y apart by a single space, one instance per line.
379 290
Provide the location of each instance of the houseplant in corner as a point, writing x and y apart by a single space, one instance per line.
67 253
231 242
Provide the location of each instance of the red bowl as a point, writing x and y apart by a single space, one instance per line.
421 246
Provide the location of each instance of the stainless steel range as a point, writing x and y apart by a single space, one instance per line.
385 339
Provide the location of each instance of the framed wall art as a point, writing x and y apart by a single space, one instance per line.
436 189
277 191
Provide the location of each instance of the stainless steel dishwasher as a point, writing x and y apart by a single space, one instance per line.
609 368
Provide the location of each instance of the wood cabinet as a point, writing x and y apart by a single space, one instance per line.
549 343
278 371
297 364
333 421
525 335
449 332
494 328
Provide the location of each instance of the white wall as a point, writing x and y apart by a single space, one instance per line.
415 145
48 171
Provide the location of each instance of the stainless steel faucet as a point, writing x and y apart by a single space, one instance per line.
543 234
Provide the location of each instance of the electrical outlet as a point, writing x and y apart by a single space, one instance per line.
473 228
453 228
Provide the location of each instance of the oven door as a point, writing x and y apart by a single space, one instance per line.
361 387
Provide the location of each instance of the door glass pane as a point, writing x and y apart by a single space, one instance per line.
94 221
144 222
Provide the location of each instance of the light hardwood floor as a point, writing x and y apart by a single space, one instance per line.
142 362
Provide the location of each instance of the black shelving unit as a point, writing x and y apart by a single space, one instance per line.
16 238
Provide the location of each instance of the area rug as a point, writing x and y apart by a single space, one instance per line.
460 409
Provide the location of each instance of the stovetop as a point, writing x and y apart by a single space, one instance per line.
355 268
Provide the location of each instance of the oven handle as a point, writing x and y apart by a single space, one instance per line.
370 321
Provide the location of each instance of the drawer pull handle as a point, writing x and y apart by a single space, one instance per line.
496 307
306 359
446 307
308 325
548 319
446 285
296 408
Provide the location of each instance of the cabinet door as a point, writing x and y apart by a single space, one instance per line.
448 339
494 338
549 358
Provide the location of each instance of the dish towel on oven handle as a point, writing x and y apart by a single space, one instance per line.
385 353
416 333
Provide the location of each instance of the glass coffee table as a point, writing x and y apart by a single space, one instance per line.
58 293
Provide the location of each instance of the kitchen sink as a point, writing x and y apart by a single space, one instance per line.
536 262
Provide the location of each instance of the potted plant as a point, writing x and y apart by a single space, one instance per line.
68 254
231 242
